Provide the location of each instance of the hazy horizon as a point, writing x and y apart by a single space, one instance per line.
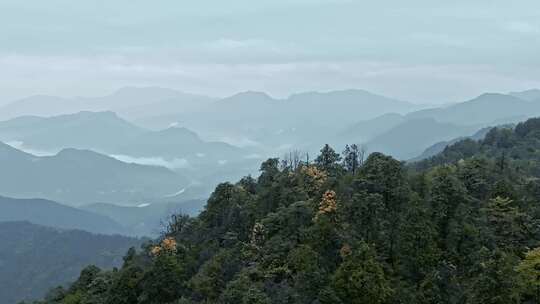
277 97
418 51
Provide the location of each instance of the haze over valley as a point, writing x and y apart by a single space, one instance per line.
97 151
269 152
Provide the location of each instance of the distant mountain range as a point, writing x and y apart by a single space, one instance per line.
204 163
81 177
440 146
131 102
102 218
213 134
82 130
410 138
482 110
133 172
108 133
258 119
407 136
34 258
52 214
529 95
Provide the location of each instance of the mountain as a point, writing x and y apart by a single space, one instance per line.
529 95
175 142
411 137
83 130
35 258
146 219
175 148
249 119
405 136
440 146
131 102
482 110
365 130
512 147
81 176
346 105
135 102
39 105
301 119
108 133
52 214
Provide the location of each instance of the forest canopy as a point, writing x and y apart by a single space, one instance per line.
460 227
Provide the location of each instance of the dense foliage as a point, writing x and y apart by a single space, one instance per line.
461 227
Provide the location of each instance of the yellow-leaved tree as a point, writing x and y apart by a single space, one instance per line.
529 271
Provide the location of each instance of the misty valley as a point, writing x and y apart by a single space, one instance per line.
226 193
269 152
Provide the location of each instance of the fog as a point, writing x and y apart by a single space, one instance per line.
445 52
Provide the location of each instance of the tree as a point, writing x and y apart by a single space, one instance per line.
365 215
529 271
328 159
419 253
213 276
360 279
165 281
226 212
385 176
352 158
447 194
506 224
308 273
245 289
495 279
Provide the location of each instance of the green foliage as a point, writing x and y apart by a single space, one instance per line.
529 271
328 159
456 228
212 277
165 281
495 280
360 279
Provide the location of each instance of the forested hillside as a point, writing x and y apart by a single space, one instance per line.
35 258
460 227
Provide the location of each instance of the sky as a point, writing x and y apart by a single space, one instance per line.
423 51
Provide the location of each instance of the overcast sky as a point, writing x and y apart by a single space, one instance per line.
418 50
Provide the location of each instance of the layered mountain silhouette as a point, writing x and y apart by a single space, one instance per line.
52 214
530 95
82 130
440 146
81 176
408 136
484 109
258 119
107 132
132 102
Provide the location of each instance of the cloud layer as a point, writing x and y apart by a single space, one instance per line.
419 50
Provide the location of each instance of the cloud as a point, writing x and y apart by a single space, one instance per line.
522 27
438 39
173 164
23 75
19 145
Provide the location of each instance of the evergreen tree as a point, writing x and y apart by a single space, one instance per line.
328 159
